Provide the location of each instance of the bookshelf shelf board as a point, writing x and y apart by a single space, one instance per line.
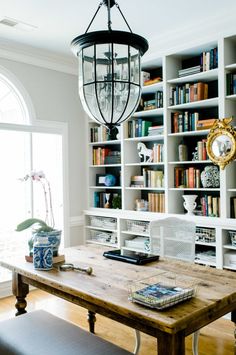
146 138
206 244
194 189
229 246
231 97
102 243
154 112
204 262
137 250
231 66
101 229
229 267
190 162
231 190
146 188
197 104
152 88
208 75
105 187
143 164
190 133
105 166
135 233
105 143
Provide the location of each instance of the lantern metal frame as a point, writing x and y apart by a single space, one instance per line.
110 37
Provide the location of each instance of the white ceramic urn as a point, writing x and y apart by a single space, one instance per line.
189 203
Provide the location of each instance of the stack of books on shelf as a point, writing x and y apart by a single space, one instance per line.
209 59
201 150
210 206
156 202
137 127
155 102
137 181
158 152
113 157
99 155
231 83
158 79
189 178
155 130
181 94
184 121
189 71
205 124
153 178
99 134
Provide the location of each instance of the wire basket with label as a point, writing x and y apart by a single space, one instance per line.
103 222
138 226
206 235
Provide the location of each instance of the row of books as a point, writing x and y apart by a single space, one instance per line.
103 156
187 177
150 178
151 102
103 199
189 121
138 127
210 206
156 202
231 83
201 150
99 134
158 153
181 94
208 61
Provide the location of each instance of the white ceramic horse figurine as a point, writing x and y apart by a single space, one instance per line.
145 153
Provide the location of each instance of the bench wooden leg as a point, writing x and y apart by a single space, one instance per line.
20 290
91 319
233 319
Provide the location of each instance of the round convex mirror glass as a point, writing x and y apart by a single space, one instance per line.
222 146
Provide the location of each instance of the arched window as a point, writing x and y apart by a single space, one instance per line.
26 144
12 105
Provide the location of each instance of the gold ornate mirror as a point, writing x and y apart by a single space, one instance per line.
221 142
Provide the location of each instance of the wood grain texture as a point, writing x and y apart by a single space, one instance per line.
105 292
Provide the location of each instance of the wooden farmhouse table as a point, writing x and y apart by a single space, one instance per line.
106 292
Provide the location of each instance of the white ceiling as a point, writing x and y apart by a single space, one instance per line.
59 21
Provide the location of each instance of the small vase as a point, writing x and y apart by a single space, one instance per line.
54 238
210 176
42 254
189 203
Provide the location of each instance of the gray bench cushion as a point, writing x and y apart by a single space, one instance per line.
41 333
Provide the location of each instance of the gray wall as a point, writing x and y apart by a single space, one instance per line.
55 97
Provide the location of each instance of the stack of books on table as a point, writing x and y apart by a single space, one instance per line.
155 130
161 295
190 71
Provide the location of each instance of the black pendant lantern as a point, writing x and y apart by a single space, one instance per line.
109 71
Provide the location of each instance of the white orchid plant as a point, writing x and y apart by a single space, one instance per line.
48 224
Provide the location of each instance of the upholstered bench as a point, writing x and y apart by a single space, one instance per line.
41 333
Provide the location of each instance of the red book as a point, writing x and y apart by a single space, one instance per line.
191 177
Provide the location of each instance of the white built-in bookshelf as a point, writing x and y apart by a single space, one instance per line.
127 228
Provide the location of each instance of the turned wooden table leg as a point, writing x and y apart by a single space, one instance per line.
20 290
91 319
171 344
233 319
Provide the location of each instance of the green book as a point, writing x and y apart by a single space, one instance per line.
145 126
